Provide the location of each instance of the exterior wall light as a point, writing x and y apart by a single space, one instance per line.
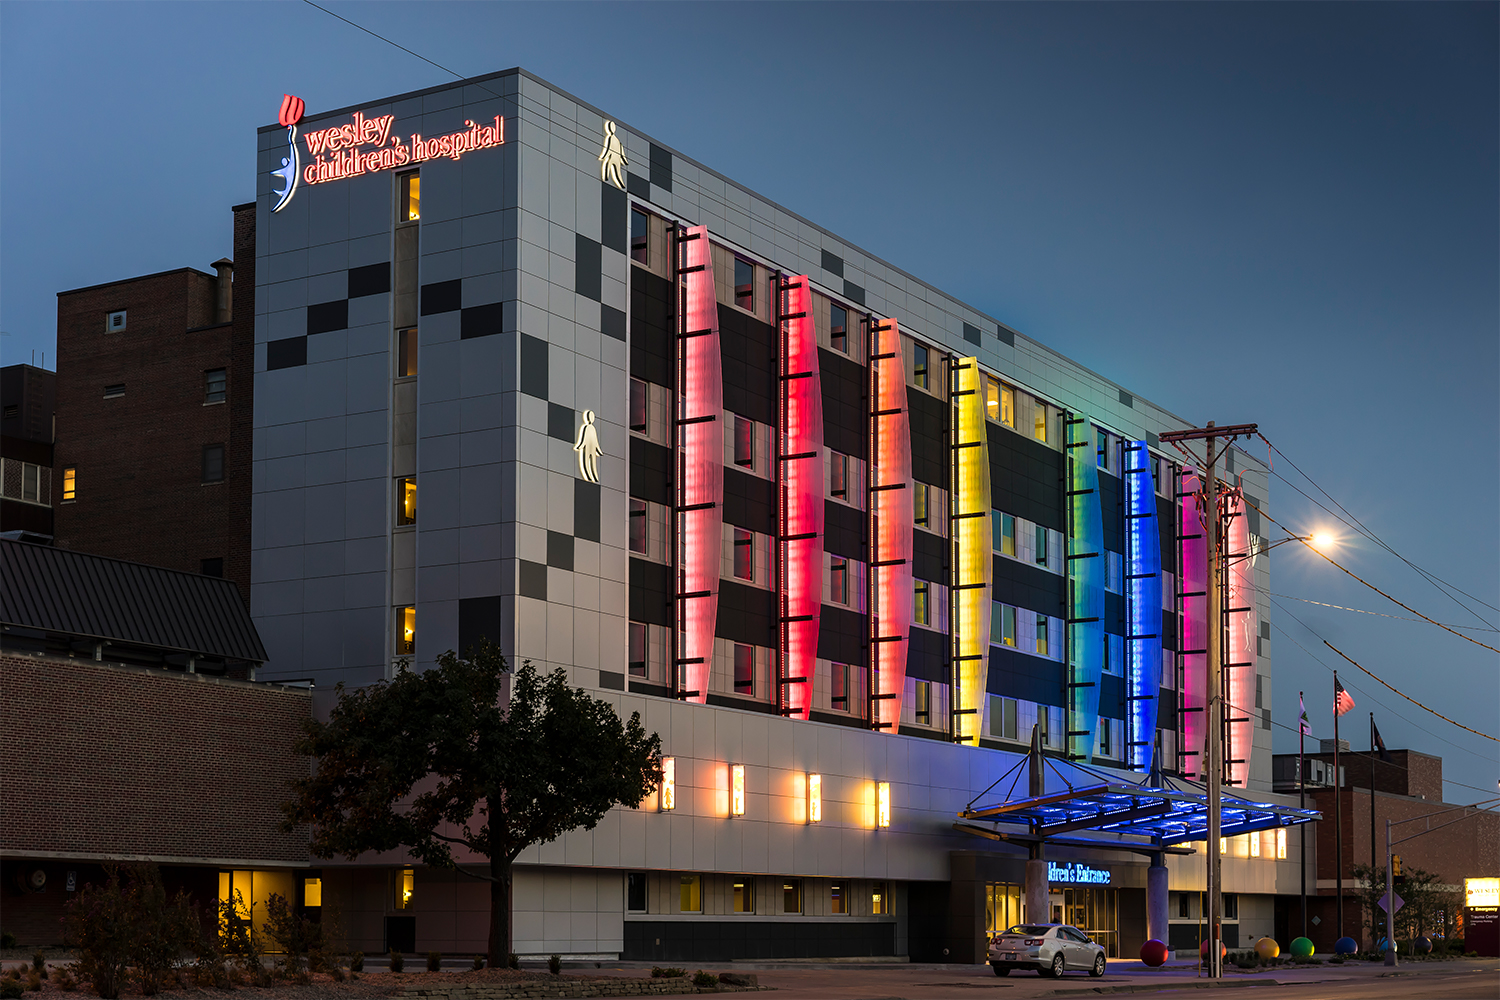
815 798
883 804
668 784
737 790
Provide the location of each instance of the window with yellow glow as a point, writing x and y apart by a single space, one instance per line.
406 352
1039 421
1255 845
411 198
879 900
815 798
406 884
883 804
1007 406
791 896
668 784
838 898
406 631
737 790
1281 843
70 484
1223 845
690 894
406 500
312 892
744 895
991 399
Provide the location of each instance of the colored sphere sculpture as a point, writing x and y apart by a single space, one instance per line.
1345 946
1302 948
1382 946
1203 949
1154 953
1267 948
1422 945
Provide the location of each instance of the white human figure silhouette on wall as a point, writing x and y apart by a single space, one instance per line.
587 447
612 158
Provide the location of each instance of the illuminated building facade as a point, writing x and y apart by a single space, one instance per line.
847 543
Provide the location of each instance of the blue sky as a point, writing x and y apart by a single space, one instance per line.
1278 213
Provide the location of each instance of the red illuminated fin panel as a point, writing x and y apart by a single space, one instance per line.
700 464
801 496
890 525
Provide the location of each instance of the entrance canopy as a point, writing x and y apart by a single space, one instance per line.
1065 797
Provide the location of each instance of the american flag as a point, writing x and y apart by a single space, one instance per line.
1342 702
1304 727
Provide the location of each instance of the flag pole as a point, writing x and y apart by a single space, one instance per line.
1373 916
1338 814
1302 804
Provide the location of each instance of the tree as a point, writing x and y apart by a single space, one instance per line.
1423 901
441 759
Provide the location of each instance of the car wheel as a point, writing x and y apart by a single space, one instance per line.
1056 969
1098 969
1001 970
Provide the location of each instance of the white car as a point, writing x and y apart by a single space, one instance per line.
1050 949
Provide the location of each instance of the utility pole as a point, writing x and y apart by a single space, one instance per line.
1213 708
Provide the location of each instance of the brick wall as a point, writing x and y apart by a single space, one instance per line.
140 494
109 761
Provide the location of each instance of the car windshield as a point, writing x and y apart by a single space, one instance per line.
1029 930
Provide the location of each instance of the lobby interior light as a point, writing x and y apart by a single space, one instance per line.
815 798
668 784
737 790
883 804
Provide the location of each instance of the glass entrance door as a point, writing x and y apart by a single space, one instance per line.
1093 911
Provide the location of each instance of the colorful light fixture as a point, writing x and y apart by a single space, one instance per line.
1086 579
1143 614
891 524
969 607
800 497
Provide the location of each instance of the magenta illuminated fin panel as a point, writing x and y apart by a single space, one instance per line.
801 496
1192 580
1239 645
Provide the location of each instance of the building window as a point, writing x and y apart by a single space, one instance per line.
1004 527
636 654
1231 906
1008 718
1281 843
838 327
638 526
635 892
312 892
921 610
1039 420
791 896
919 498
213 463
880 902
838 686
115 322
406 630
1255 844
114 391
744 442
838 580
1104 734
211 567
919 366
31 482
640 224
1007 625
838 475
744 284
923 707
406 500
1041 635
838 898
638 398
70 484
992 399
744 669
406 352
1101 449
215 385
744 895
1041 545
1184 905
690 894
1007 406
410 208
744 554
406 886
1044 724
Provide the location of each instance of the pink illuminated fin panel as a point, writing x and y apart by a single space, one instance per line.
700 466
1192 580
890 525
801 496
1239 645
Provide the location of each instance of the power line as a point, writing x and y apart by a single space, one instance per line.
1409 698
1378 614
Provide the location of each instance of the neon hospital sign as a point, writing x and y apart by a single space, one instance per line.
1077 874
366 146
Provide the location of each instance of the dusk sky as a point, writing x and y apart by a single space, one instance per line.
1274 213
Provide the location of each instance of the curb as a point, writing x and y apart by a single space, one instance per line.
1211 984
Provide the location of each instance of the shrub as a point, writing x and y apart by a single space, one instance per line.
336 971
660 972
701 978
554 964
478 962
7 939
65 980
357 962
10 989
34 981
300 940
513 962
39 963
397 962
434 961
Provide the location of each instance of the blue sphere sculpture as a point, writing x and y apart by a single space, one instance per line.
1422 945
1345 946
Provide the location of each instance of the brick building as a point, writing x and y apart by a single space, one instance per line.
154 397
26 490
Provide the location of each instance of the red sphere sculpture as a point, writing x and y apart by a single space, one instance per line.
1203 949
1154 953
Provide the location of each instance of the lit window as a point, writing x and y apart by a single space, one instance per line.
815 798
406 500
406 352
838 327
637 651
1039 420
737 789
838 475
838 901
635 892
791 896
744 442
115 322
879 900
838 686
411 198
744 669
213 463
923 707
883 804
838 579
312 892
1255 845
1041 546
638 397
638 526
114 391
70 484
640 224
992 399
668 784
1223 845
1007 406
406 884
1281 843
919 498
919 366
215 385
744 895
690 894
1041 635
744 284
744 554
921 612
406 630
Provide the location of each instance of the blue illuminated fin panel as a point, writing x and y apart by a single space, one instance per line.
1086 576
1143 606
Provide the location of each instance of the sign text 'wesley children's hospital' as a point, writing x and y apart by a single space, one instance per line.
365 145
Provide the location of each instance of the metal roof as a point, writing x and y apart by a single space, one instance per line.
97 598
1076 797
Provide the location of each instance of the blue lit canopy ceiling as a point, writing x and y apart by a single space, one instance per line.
1079 798
1143 613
